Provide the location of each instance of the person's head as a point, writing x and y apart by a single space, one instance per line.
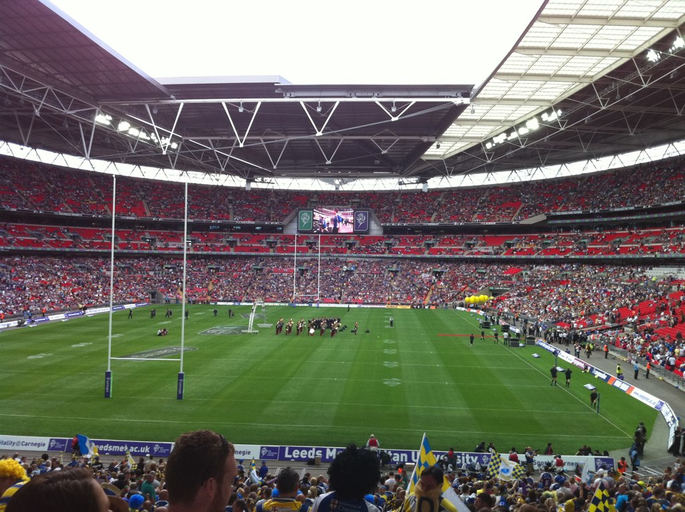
61 491
11 472
200 471
287 482
354 472
483 500
431 478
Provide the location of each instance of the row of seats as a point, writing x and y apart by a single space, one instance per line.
590 243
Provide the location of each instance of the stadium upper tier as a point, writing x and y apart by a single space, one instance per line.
49 189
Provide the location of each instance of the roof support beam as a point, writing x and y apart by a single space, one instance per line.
620 21
532 77
573 52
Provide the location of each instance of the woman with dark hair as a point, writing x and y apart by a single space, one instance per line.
61 491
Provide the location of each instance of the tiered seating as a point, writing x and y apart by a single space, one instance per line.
36 187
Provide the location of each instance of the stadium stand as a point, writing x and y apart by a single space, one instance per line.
42 188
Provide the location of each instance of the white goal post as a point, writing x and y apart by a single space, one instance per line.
250 324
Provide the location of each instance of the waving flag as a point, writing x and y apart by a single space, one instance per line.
253 473
601 502
86 446
504 469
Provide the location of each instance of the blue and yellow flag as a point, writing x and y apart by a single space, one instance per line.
601 501
504 469
86 446
426 459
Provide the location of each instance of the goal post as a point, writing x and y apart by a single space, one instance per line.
253 312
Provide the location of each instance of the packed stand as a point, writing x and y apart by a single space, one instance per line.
36 187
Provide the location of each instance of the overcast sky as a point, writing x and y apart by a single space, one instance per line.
310 41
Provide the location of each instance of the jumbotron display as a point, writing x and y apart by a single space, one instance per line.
333 220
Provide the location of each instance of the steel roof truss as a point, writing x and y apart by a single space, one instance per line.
384 150
164 144
241 141
25 136
329 160
87 146
393 113
319 131
274 163
679 110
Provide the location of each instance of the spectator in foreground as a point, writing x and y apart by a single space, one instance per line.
287 483
61 491
200 472
353 473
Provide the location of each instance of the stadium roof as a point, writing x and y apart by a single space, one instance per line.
588 78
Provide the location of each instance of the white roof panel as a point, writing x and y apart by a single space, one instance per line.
570 44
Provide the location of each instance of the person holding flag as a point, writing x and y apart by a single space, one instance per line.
427 494
432 490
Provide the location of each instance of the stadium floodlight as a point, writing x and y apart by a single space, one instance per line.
318 107
240 108
123 126
532 124
105 119
653 55
393 109
677 44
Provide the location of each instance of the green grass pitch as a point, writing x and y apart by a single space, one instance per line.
395 382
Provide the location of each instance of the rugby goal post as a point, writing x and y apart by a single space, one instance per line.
250 324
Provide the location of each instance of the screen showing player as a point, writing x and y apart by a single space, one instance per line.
332 220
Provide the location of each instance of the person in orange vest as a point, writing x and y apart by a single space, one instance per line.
649 367
606 351
622 465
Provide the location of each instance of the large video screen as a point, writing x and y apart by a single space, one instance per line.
333 221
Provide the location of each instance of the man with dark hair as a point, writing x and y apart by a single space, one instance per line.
61 491
553 372
200 472
353 473
427 495
287 483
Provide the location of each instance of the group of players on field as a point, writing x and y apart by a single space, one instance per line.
313 325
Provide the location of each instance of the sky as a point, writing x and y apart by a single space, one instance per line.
309 41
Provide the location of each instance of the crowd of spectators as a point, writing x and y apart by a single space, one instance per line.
42 188
202 474
612 242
